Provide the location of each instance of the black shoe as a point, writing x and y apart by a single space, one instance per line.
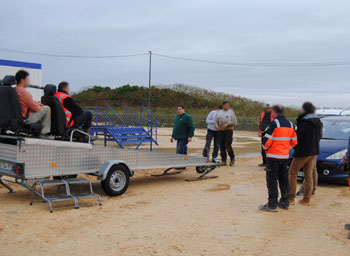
232 162
283 206
267 208
262 165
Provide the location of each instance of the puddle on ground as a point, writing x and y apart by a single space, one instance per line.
250 150
12 212
238 187
244 146
222 187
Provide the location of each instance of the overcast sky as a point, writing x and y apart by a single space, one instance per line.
278 31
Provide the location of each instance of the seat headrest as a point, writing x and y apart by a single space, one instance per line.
9 80
49 90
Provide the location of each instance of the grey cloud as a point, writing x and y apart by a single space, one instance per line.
231 31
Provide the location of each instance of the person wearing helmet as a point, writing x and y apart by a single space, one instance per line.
265 120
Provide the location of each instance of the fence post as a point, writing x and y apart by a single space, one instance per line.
126 116
141 118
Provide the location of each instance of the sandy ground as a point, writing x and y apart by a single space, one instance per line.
169 216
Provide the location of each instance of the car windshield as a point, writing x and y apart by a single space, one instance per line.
336 129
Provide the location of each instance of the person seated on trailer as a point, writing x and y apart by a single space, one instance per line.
75 115
32 111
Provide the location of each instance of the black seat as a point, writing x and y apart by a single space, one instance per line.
11 111
58 117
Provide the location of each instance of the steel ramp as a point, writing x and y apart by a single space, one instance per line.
67 196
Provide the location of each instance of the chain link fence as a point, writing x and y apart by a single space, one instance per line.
250 123
166 119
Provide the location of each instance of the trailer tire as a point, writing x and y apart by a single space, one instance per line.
116 181
201 169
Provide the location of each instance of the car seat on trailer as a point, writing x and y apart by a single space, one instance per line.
11 111
58 117
59 127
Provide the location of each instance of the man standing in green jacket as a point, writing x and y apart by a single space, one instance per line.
183 130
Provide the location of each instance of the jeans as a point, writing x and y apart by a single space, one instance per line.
44 117
314 179
277 171
83 120
210 136
181 146
308 164
225 141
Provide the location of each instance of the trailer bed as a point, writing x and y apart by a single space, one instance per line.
32 160
43 158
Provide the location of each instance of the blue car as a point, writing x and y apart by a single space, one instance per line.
333 146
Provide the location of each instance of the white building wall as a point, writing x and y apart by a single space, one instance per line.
35 77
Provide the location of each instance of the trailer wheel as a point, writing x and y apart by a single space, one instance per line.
117 181
201 169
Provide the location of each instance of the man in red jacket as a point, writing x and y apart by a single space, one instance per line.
33 111
265 120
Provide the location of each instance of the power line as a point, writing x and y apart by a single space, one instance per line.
247 64
259 64
72 56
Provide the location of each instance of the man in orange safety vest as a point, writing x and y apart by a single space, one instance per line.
278 139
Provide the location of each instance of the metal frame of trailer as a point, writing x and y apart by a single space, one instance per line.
29 160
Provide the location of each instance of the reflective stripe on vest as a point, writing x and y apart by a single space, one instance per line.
61 97
283 137
277 156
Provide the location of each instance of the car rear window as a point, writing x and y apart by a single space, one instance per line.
336 129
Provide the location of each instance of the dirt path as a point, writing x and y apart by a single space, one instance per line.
168 216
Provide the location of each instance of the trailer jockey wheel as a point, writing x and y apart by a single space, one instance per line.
201 169
117 181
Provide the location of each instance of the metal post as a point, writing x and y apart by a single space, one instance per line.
149 80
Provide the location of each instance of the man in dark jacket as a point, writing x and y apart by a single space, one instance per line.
265 120
309 132
80 118
183 130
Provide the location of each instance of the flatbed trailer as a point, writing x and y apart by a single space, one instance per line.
29 160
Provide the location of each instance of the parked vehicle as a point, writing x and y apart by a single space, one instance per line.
333 112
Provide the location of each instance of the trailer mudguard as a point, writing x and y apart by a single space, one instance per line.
102 173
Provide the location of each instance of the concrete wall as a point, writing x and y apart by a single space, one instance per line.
11 67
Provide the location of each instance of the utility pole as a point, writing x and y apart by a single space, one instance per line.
149 80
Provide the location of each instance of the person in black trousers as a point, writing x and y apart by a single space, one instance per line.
224 121
82 118
212 134
265 120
